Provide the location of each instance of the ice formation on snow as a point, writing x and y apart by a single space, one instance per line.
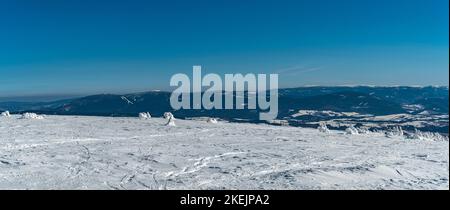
144 115
32 116
363 130
323 127
212 120
5 114
171 122
168 115
395 131
430 136
170 119
351 130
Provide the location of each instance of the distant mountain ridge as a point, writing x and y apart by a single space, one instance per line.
424 108
398 94
360 99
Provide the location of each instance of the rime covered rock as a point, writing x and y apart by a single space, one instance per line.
32 116
170 119
363 130
429 136
5 114
351 130
395 131
144 115
212 120
168 115
323 127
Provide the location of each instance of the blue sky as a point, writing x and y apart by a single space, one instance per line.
84 47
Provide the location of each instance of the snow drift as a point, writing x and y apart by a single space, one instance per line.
32 116
144 115
351 130
323 127
80 152
170 119
212 120
5 114
428 136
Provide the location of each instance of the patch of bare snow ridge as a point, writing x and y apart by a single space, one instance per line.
78 152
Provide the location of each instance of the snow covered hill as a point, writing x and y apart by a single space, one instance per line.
74 152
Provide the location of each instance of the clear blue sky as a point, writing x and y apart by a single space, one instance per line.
83 47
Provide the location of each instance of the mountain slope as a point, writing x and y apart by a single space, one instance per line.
343 102
400 94
360 99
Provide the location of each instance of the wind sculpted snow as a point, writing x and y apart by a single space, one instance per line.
74 152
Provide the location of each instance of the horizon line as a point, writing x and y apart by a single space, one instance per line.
62 96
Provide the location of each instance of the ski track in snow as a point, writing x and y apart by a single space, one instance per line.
75 152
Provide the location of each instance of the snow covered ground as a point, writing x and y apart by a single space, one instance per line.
74 152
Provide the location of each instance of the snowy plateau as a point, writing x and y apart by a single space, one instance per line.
80 152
